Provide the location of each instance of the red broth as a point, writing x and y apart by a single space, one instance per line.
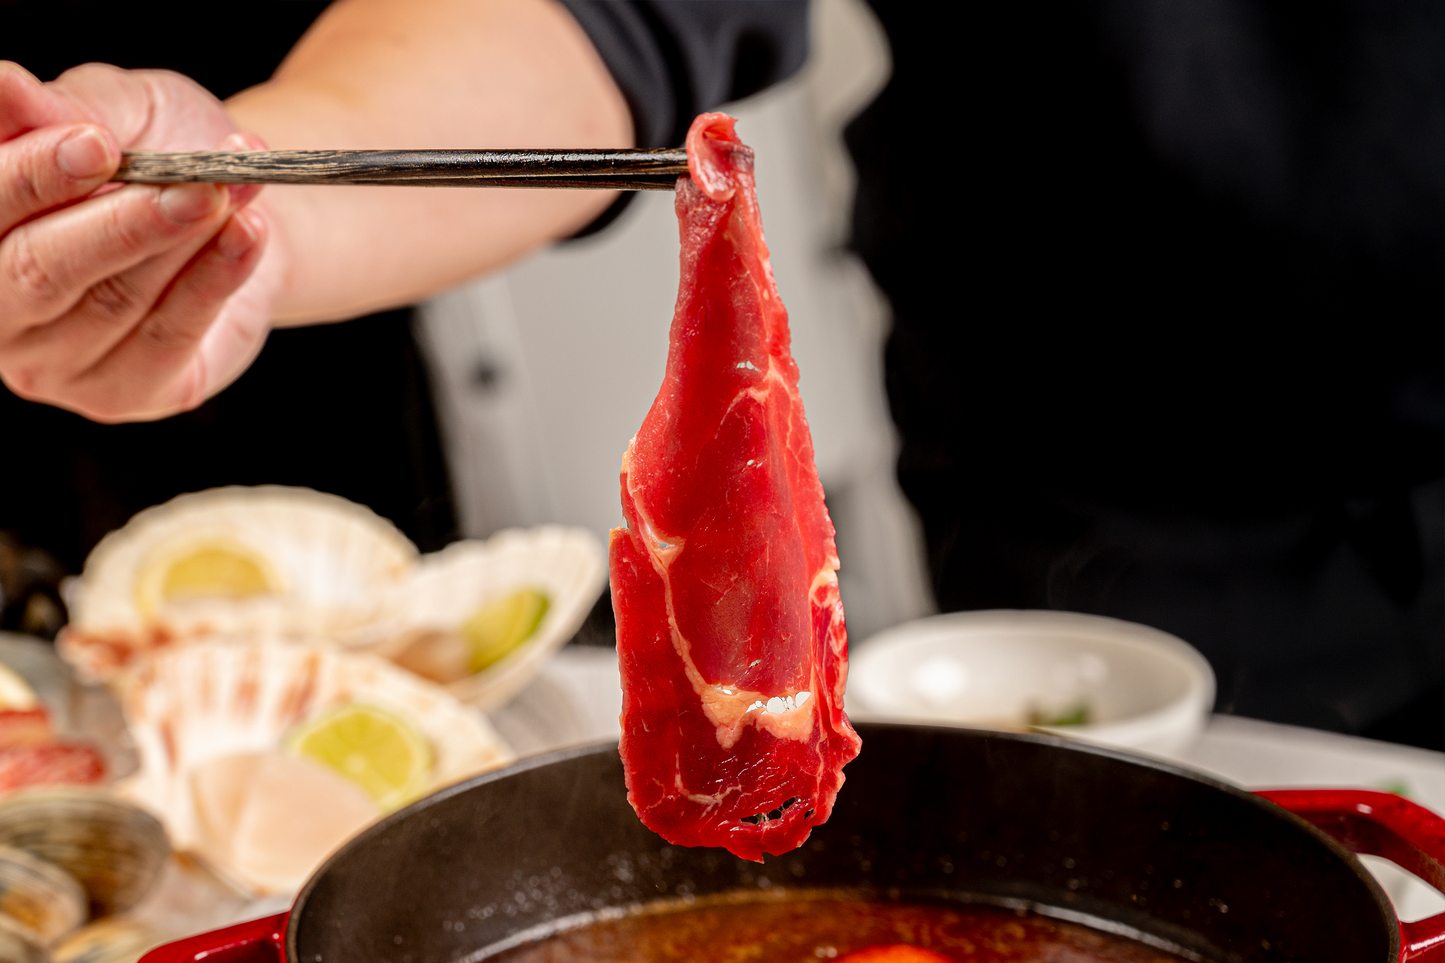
808 928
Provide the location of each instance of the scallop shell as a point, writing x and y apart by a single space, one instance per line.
39 901
316 563
193 705
448 587
115 850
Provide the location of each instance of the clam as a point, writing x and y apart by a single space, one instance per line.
119 940
543 580
39 901
115 850
286 562
211 723
16 947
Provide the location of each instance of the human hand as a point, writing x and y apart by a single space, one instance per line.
133 303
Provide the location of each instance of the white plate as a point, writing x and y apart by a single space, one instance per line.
1141 688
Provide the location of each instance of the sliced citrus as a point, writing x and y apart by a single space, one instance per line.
375 749
501 626
215 572
213 568
15 693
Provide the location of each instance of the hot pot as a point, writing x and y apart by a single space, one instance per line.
1089 834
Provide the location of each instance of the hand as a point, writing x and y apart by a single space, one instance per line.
132 303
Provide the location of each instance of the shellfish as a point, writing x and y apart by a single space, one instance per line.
211 723
16 948
551 575
115 850
39 902
121 940
285 562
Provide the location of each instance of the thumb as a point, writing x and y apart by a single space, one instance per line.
27 104
146 109
123 100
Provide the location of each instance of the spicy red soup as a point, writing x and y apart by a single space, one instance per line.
807 928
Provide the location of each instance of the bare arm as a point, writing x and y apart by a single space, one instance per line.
444 73
141 302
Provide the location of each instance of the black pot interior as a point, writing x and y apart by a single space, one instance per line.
1202 866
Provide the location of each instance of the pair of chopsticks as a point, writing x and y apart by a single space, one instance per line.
626 170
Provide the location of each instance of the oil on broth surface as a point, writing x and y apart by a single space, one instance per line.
806 928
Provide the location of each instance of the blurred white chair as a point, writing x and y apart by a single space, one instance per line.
544 371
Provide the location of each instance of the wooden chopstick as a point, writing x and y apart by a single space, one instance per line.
627 170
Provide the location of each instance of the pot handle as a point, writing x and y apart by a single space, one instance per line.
254 941
1382 824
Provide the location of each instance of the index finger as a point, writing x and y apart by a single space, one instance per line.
26 104
52 166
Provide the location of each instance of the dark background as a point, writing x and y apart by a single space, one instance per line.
1167 280
343 408
1167 286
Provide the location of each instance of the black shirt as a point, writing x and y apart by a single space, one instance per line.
1166 281
340 408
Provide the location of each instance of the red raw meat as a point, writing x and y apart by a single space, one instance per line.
730 630
25 727
48 765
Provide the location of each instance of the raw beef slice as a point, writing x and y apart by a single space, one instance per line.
730 630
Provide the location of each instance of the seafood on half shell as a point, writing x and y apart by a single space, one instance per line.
481 617
120 939
115 850
264 757
39 901
282 562
15 947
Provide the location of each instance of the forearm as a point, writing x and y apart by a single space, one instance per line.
444 73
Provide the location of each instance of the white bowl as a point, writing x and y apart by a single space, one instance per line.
1142 689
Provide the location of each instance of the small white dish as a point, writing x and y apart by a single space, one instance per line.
1126 685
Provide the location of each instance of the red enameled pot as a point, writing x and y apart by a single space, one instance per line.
1130 845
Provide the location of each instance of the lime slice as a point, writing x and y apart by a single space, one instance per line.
15 693
371 747
213 568
503 625
215 572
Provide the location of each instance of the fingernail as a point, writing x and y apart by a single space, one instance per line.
185 203
84 155
237 238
